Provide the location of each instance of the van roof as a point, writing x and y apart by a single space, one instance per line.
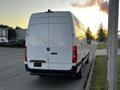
52 13
37 18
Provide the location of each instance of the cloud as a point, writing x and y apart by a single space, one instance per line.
105 7
101 3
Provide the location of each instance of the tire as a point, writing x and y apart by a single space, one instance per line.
79 75
87 61
42 76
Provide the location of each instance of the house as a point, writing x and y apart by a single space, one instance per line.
6 34
3 35
20 34
16 34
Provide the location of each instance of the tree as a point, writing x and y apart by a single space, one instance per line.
102 34
89 35
17 27
4 26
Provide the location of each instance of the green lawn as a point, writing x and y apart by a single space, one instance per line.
99 76
118 75
118 45
102 46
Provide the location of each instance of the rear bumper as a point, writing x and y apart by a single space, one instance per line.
51 72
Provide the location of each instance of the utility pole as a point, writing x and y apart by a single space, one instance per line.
112 44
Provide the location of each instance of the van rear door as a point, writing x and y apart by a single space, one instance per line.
60 41
37 46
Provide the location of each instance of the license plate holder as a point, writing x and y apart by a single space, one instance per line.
37 64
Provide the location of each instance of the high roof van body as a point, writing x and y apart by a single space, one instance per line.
55 44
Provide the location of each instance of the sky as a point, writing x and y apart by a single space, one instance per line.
17 12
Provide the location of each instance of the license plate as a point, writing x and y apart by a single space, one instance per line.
37 64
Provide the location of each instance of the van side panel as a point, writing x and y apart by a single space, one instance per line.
80 39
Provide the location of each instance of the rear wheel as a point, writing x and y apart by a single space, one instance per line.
42 76
79 75
87 61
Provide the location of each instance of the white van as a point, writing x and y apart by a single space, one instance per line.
55 44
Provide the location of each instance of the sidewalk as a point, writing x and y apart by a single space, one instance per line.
101 52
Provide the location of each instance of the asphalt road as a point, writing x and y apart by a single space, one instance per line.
14 77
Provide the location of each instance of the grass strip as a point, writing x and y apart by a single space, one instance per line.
99 76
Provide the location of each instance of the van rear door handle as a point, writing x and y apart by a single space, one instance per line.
48 48
54 53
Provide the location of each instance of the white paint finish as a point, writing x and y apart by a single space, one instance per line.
56 31
38 18
37 42
60 42
60 66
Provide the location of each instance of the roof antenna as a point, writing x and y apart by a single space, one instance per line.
49 11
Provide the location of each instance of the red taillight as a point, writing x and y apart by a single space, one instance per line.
26 54
74 55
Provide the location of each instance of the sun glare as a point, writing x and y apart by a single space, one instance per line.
91 17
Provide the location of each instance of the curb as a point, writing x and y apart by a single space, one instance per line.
89 76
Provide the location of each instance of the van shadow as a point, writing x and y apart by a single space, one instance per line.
55 82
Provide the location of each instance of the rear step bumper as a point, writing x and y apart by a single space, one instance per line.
51 72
